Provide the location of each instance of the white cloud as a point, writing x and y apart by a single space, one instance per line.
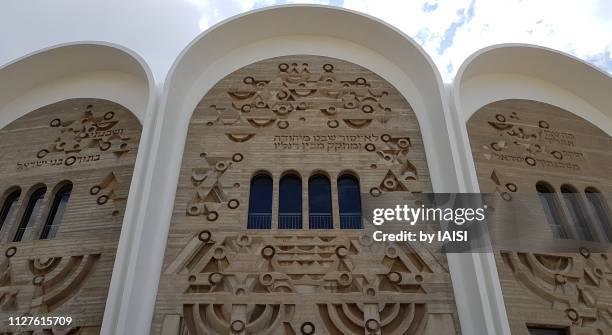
582 28
447 29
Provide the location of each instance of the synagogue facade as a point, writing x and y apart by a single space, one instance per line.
228 198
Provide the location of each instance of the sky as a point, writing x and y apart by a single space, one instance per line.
449 30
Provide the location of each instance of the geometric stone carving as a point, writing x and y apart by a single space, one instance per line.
91 144
230 275
308 115
516 144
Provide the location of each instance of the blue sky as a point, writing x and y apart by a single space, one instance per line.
450 30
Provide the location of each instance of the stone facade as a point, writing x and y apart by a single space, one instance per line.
178 256
92 145
516 144
305 115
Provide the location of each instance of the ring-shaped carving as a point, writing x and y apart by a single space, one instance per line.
391 252
390 183
283 67
10 252
55 123
38 280
70 160
204 236
500 118
367 109
372 325
245 108
572 314
109 115
282 124
506 196
268 251
237 157
394 277
219 253
102 199
558 155
238 326
375 192
370 147
495 146
266 279
511 187
283 109
244 240
530 161
42 153
328 67
403 143
360 81
212 216
95 189
282 95
248 80
233 204
333 123
543 124
105 145
584 252
215 277
307 328
345 279
385 137
221 166
341 251
193 210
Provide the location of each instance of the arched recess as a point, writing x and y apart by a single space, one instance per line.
255 36
522 147
526 72
306 119
70 114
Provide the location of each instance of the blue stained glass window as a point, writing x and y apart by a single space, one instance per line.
290 202
260 202
349 202
319 203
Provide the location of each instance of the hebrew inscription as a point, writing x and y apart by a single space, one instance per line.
82 140
308 115
90 145
516 144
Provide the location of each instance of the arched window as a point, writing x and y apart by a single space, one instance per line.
552 209
9 206
260 202
349 202
56 212
319 203
31 213
597 200
572 200
290 202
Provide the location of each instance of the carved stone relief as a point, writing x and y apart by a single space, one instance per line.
305 114
92 144
517 143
